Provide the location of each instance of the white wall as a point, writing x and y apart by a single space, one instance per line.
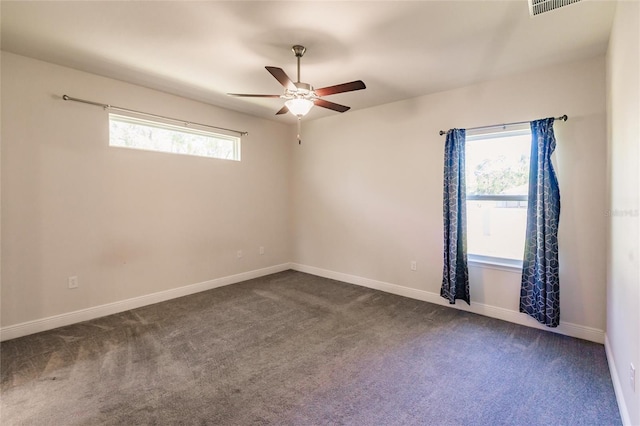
623 284
128 223
367 191
362 194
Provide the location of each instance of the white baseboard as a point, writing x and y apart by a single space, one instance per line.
36 326
568 329
617 386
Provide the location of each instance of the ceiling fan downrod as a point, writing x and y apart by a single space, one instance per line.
299 52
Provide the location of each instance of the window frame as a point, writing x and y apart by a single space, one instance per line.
500 263
186 128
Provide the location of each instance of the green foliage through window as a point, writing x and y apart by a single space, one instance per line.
497 175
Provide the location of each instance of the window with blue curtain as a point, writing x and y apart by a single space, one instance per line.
540 287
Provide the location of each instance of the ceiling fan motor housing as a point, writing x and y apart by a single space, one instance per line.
303 88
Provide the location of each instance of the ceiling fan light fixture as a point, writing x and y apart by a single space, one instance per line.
299 106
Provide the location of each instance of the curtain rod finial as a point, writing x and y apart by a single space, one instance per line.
442 132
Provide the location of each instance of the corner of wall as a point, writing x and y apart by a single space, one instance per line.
622 341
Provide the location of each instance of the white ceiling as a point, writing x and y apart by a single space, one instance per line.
202 50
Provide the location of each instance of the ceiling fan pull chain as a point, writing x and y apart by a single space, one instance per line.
299 127
298 51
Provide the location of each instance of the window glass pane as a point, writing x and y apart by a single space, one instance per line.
129 132
496 228
498 165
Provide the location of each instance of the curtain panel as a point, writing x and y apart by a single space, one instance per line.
455 276
540 286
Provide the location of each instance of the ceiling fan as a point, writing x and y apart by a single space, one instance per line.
301 97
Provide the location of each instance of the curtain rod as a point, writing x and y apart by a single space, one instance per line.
186 123
562 118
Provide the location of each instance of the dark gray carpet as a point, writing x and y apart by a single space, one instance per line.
293 348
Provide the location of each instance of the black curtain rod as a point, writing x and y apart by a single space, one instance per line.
562 118
186 123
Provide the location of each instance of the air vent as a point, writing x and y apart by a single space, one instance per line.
536 7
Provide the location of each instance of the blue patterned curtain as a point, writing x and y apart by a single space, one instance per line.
455 275
540 289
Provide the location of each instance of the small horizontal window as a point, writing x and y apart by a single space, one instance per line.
137 133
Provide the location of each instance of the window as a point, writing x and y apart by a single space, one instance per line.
130 132
497 178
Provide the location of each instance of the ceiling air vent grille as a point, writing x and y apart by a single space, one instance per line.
536 7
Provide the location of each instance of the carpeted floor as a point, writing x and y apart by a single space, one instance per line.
295 349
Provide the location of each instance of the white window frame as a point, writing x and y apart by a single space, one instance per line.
187 128
477 260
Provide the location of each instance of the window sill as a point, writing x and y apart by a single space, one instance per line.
494 263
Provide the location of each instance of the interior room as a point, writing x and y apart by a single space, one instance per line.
126 269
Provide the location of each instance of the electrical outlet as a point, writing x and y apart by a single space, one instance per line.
239 254
632 377
73 282
261 251
414 265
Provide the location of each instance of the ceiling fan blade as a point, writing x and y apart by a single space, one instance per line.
341 88
283 110
282 77
245 95
331 105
